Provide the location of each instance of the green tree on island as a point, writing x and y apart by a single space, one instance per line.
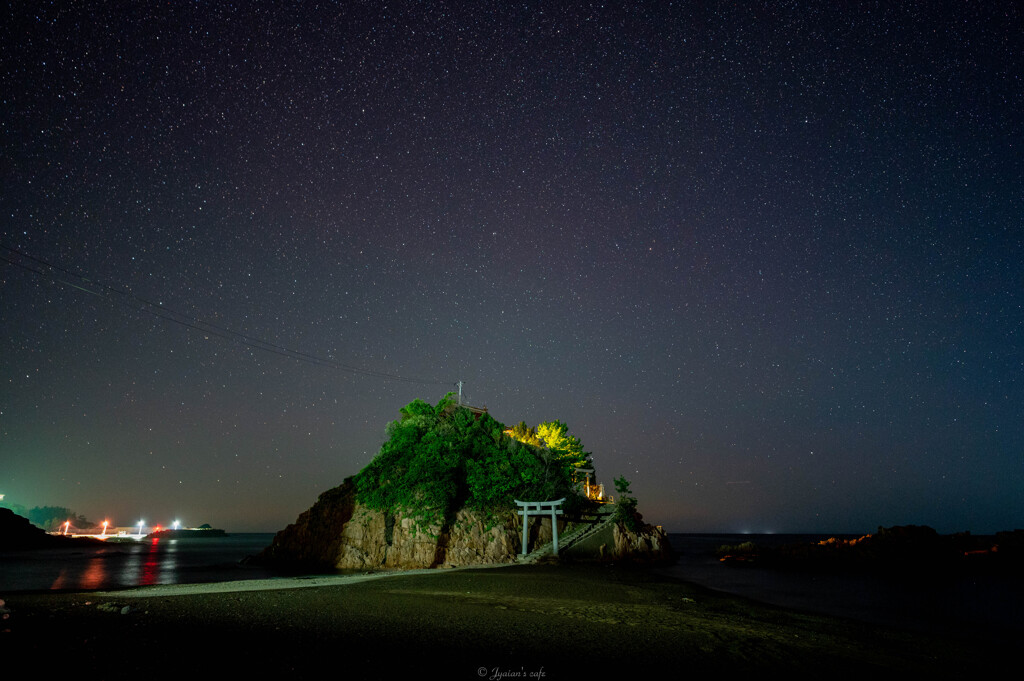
524 433
625 505
441 458
555 436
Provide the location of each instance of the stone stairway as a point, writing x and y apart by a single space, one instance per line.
604 517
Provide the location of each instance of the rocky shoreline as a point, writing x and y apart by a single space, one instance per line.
901 549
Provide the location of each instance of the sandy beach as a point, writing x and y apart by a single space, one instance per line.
510 622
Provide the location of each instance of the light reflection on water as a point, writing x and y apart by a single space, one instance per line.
141 563
156 562
135 563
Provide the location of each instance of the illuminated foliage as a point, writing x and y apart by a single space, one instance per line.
523 433
555 436
438 459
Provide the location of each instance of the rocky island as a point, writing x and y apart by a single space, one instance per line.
441 493
204 531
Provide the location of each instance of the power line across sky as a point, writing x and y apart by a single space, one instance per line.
120 297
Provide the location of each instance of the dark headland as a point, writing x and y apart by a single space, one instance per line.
18 534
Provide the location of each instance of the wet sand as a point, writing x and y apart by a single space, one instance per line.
508 622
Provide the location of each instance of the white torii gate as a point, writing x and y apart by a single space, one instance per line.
538 508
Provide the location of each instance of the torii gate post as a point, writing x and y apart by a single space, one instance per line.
529 508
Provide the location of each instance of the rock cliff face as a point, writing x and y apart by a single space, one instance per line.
650 545
373 539
313 540
616 543
338 532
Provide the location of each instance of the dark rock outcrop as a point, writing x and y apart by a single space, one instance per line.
616 543
912 549
17 533
649 544
314 539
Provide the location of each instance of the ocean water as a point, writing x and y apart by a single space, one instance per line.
129 564
940 603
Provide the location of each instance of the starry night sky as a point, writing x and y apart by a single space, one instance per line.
766 261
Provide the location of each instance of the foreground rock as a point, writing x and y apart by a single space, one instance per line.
338 532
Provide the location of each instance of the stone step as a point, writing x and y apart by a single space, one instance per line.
604 517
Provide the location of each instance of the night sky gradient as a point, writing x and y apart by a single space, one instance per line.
765 260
